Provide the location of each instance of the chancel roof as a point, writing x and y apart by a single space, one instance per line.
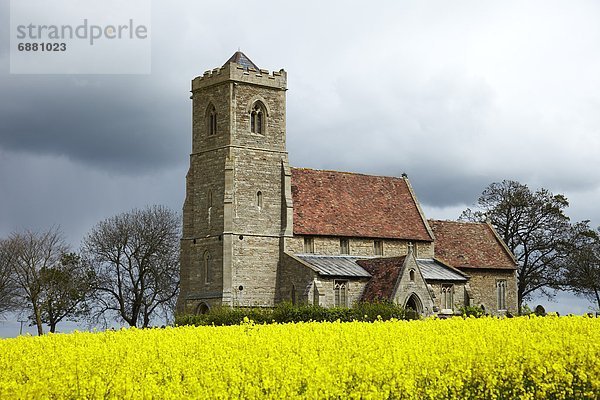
470 245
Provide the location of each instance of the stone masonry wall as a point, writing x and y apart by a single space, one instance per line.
406 288
483 289
458 295
255 261
205 184
301 277
219 97
355 287
198 289
257 171
327 245
273 137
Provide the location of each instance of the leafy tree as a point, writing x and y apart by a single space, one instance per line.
533 226
135 258
65 287
8 289
29 254
582 268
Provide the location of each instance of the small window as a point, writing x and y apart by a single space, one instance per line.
212 120
340 291
315 294
378 247
309 245
207 267
259 199
447 297
209 200
501 294
411 275
257 119
293 294
344 246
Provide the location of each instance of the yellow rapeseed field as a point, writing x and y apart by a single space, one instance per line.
526 358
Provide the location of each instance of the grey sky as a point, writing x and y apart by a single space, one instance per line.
457 94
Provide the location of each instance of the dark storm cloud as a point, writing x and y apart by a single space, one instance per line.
115 123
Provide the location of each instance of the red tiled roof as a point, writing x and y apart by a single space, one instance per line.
470 245
332 203
385 272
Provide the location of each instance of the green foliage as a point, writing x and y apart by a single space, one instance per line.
472 311
582 268
64 289
286 312
526 310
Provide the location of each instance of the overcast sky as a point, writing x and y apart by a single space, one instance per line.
457 94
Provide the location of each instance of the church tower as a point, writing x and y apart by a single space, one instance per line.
235 210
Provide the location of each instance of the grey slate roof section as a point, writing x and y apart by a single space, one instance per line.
241 59
436 271
335 265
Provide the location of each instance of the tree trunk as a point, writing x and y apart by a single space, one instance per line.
520 301
38 319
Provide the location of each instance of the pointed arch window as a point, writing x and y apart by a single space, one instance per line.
447 297
340 293
257 118
501 294
211 115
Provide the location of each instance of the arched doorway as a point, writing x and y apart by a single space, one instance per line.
414 303
202 308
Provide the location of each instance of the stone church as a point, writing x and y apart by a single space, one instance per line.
257 231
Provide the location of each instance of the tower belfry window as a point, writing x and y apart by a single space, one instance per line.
257 119
212 120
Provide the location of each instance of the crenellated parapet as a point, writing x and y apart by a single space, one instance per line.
238 73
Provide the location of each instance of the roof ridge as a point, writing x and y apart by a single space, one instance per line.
347 172
443 221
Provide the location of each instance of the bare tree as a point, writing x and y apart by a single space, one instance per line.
30 253
582 268
533 226
135 257
8 289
